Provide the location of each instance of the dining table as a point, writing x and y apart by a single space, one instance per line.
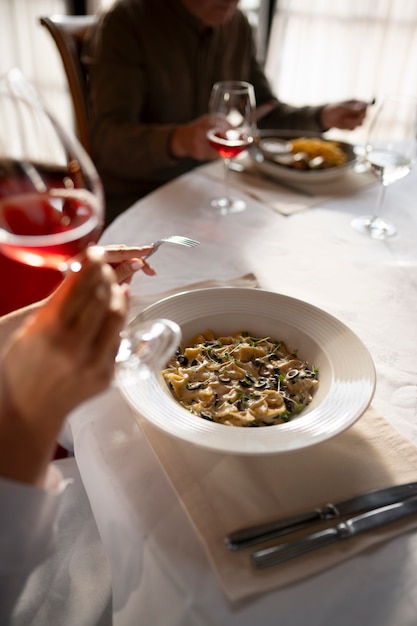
162 506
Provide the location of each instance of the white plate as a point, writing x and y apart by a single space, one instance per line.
281 172
346 370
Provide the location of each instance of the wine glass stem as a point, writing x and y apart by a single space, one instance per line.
379 202
226 178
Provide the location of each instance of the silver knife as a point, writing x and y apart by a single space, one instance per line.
246 537
359 524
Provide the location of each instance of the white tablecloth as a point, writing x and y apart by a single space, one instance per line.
161 574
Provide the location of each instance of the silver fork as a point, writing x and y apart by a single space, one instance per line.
177 239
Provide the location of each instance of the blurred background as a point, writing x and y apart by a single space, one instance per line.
314 50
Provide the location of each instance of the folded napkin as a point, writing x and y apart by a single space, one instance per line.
282 199
139 302
221 493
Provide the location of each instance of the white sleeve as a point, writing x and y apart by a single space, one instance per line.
27 532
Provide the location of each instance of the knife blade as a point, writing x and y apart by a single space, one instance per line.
344 530
252 535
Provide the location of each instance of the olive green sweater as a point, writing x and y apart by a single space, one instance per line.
153 65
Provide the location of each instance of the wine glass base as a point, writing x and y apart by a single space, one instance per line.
225 206
374 227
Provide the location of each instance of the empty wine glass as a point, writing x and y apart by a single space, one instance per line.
52 208
232 106
390 154
145 347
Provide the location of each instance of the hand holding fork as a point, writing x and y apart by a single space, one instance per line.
127 260
176 239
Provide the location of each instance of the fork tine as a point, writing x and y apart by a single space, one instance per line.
184 241
178 239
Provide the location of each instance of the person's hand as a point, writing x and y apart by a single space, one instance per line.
60 356
126 261
346 115
190 140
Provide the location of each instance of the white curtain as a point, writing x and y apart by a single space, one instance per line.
328 50
25 44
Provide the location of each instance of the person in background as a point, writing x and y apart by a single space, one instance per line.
56 354
152 65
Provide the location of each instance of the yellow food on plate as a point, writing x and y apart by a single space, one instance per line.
240 380
328 151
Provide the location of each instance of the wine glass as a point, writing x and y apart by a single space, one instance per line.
52 207
231 106
390 154
51 199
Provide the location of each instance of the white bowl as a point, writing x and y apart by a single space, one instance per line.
281 172
346 370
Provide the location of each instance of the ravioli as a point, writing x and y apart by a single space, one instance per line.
240 380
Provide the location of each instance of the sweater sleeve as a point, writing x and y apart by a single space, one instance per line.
27 533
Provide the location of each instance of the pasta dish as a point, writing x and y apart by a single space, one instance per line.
240 380
315 153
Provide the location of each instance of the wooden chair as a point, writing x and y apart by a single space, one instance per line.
69 33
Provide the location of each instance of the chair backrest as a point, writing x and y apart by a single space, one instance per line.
69 33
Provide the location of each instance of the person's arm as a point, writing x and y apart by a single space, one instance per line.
61 355
346 115
11 321
125 260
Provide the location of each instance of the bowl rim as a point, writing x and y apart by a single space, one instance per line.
270 167
350 374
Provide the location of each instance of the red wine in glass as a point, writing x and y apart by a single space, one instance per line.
232 107
45 229
51 200
228 143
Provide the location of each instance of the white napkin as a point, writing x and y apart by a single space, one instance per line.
287 201
222 493
141 301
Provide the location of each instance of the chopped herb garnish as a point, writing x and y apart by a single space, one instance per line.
266 390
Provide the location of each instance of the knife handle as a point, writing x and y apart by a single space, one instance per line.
246 537
284 552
